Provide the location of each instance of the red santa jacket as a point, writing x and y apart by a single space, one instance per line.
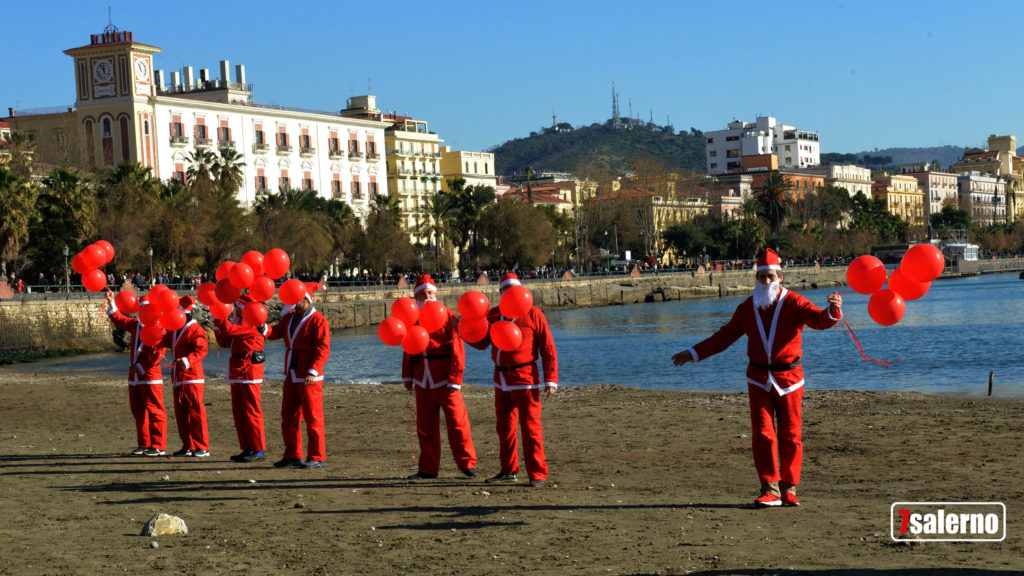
442 363
243 341
143 358
189 344
773 338
517 370
307 346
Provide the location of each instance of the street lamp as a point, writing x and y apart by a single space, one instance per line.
552 274
67 276
421 262
151 277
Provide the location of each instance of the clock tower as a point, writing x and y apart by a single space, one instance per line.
115 99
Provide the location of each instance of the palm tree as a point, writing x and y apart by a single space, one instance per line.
16 201
66 209
387 204
228 170
775 198
203 164
21 147
441 211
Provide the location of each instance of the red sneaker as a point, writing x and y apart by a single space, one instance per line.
790 500
766 500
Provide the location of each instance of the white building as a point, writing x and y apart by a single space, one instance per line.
795 148
938 187
854 178
983 197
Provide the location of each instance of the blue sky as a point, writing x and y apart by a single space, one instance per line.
864 74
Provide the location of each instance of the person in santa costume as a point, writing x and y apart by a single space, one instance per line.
436 375
773 320
307 340
188 347
245 376
145 384
517 386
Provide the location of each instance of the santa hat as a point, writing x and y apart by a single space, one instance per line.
243 300
424 282
509 279
769 261
186 303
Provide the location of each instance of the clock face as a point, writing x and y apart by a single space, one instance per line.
103 70
142 70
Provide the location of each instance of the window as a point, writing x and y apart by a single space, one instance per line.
733 153
179 172
714 165
336 187
200 131
711 140
731 138
467 166
285 183
307 183
106 128
261 182
475 171
353 145
282 139
260 137
145 127
373 186
334 144
356 192
304 141
371 148
713 153
486 168
225 134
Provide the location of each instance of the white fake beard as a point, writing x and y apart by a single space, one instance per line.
420 303
766 294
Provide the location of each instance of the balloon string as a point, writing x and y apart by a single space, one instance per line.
227 375
849 332
410 415
847 292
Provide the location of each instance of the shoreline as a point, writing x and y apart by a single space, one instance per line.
642 482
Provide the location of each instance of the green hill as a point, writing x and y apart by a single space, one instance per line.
601 148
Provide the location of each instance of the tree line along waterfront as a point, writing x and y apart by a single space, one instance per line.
185 229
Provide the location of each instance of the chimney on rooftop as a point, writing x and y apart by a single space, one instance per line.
225 72
175 81
240 74
190 82
160 81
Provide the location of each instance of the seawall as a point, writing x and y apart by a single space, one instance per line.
54 324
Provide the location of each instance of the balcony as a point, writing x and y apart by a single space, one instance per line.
260 148
372 156
203 142
283 149
336 154
262 192
405 172
355 154
307 151
179 141
226 144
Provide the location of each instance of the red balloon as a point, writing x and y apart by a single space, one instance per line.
292 291
416 340
165 299
506 335
516 302
923 263
392 331
907 288
473 330
94 256
78 263
220 310
94 280
255 261
276 263
107 248
127 302
886 307
406 310
207 293
149 315
173 319
226 291
151 335
254 314
866 274
223 270
473 305
433 316
241 276
262 288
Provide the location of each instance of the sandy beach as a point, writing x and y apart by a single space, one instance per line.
641 483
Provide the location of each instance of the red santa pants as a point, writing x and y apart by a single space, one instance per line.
147 404
245 407
190 414
303 402
524 406
456 420
777 455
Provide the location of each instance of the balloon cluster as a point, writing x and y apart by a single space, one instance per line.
920 265
411 326
89 261
256 273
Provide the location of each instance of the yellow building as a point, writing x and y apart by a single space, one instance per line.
902 197
476 168
414 168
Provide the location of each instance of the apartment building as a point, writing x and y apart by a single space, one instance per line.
795 148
